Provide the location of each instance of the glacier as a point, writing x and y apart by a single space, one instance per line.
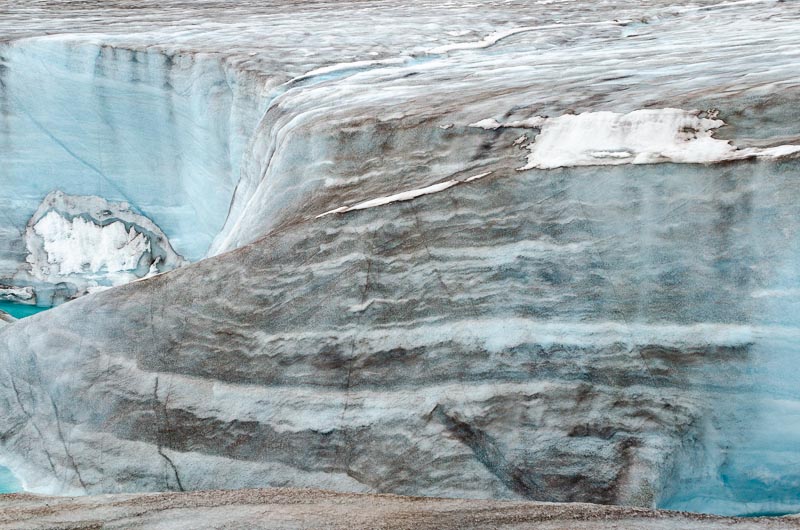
540 251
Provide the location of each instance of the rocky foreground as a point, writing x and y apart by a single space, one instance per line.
293 508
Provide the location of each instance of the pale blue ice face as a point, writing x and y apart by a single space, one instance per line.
145 128
8 482
756 465
753 453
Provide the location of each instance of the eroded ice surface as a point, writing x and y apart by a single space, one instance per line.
606 314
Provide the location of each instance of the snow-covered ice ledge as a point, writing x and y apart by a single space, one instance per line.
646 136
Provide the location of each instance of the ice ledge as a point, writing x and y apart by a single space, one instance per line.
646 136
403 195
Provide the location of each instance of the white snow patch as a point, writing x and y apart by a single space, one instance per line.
775 152
645 136
611 154
79 246
403 196
478 176
490 124
358 308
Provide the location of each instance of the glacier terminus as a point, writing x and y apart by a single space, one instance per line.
507 250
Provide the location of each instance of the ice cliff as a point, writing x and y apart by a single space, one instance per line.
543 250
159 130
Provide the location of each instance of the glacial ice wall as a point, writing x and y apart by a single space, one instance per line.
571 382
159 129
499 303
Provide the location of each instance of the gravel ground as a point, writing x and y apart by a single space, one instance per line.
294 508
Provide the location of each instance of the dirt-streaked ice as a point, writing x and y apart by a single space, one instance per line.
615 323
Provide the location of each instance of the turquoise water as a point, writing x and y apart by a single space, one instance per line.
21 310
8 482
